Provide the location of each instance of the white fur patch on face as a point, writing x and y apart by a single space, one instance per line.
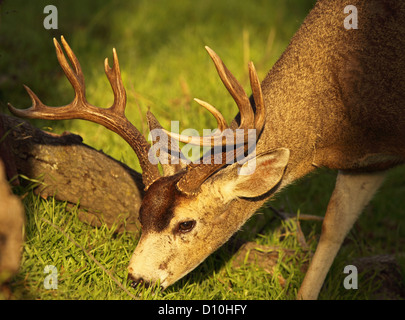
168 255
155 260
147 261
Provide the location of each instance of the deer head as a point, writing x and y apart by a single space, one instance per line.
179 230
190 211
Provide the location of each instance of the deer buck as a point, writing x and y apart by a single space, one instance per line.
334 99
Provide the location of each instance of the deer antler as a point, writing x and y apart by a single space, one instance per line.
197 173
249 120
112 118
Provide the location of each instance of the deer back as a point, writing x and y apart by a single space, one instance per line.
336 97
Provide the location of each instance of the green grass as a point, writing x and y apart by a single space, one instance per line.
92 262
56 237
164 65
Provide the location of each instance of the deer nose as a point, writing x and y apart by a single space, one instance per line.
138 282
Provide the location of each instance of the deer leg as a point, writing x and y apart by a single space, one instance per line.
351 194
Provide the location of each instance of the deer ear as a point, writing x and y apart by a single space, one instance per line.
258 175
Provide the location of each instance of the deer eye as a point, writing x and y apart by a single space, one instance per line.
186 226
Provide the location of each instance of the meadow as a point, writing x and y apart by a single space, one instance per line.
164 66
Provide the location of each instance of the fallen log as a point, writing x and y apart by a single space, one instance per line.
107 190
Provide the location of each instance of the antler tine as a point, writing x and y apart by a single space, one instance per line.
112 118
222 125
115 79
235 89
206 140
258 97
76 77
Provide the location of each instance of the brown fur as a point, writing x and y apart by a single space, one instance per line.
334 99
158 204
337 95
